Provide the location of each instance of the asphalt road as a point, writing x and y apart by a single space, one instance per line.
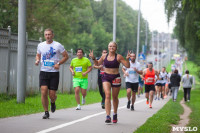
88 120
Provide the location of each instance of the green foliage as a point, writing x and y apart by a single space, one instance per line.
78 23
187 28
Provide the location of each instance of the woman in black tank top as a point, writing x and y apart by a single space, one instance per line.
111 77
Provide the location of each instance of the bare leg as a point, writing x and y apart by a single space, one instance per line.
107 90
44 97
77 95
115 93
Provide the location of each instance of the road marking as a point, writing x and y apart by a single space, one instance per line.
82 119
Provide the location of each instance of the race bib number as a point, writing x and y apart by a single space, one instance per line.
131 72
49 63
117 81
150 80
78 69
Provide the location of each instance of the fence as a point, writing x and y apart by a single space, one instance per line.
8 67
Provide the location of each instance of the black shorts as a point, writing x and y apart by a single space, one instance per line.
149 88
158 84
133 86
50 79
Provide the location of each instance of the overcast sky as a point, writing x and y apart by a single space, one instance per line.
153 11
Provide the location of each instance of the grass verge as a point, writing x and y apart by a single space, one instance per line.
9 106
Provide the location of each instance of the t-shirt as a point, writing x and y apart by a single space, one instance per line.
80 66
164 77
133 75
50 55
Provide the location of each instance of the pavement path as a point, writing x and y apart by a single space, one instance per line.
89 120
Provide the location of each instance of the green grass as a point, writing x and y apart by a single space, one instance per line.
9 106
170 114
195 106
161 121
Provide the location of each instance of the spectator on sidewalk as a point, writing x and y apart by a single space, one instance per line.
175 83
187 81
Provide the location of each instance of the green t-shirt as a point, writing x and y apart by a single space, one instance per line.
80 66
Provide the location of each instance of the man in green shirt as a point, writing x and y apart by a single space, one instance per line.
80 67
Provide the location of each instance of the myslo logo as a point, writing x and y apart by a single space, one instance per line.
184 128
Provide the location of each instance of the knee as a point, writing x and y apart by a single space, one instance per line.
108 96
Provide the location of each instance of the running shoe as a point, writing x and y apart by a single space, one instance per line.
188 100
83 100
103 105
158 98
132 107
165 96
147 102
138 96
108 120
46 115
128 104
115 118
150 106
155 98
78 107
53 107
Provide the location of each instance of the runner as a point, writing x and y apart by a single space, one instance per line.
80 67
158 86
164 80
111 77
141 84
100 74
149 81
132 79
187 81
48 53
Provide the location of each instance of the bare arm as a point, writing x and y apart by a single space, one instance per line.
98 67
63 60
37 59
88 70
71 68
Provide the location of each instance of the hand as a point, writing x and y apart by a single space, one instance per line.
73 73
84 74
126 74
100 66
128 55
37 62
134 69
91 55
57 66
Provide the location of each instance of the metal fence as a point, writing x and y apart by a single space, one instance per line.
8 67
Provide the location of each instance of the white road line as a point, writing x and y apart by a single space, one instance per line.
79 120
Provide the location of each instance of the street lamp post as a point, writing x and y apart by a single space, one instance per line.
138 32
114 20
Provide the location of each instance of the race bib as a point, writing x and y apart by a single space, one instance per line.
117 81
131 72
150 80
49 63
78 69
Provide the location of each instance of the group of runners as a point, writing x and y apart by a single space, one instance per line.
109 79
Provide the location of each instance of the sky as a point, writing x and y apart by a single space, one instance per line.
154 12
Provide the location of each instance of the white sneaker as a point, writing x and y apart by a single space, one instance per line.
78 107
188 100
83 100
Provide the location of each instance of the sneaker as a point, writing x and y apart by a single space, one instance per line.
53 107
155 98
108 120
158 98
78 107
188 100
138 96
147 102
83 100
150 106
132 107
46 115
128 104
103 105
115 118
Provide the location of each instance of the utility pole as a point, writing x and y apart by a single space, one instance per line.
114 20
21 62
138 32
158 51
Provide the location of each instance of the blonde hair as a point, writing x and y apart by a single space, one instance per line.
113 43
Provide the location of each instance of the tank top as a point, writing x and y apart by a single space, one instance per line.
111 64
149 78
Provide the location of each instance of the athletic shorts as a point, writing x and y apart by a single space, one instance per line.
50 79
133 86
114 79
82 83
163 84
149 88
141 84
158 84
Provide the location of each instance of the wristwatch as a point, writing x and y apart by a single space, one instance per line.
58 63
